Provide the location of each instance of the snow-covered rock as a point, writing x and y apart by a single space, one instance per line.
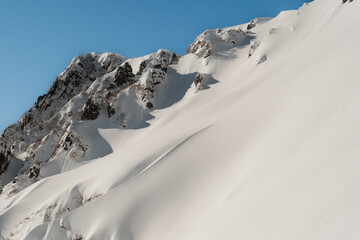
253 23
210 40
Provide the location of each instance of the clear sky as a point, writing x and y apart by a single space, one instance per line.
38 38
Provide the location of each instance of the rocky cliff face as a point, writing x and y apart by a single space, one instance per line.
87 90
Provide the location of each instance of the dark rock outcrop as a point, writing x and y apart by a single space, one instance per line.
68 142
3 163
255 22
124 75
91 110
110 111
141 68
198 79
203 81
173 58
251 25
149 105
153 72
34 172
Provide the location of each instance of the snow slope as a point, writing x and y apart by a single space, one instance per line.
263 147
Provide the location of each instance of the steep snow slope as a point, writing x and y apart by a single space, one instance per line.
265 146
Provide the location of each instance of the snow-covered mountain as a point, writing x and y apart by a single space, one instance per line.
253 134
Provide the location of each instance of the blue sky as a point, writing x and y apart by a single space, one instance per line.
38 38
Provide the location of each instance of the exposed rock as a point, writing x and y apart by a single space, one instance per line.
203 81
68 142
124 75
91 110
205 44
153 74
253 23
162 66
39 100
149 105
174 58
194 47
78 237
198 79
141 68
111 111
3 163
164 55
34 172
208 50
